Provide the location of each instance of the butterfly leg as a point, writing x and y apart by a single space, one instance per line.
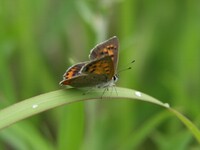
114 86
104 90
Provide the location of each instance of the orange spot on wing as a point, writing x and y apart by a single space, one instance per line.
70 73
110 52
105 50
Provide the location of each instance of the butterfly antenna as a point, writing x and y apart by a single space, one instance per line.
128 68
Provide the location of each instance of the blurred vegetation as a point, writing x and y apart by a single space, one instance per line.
40 39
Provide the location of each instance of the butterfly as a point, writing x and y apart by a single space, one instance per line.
99 71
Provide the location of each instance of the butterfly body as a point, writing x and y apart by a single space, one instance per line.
99 71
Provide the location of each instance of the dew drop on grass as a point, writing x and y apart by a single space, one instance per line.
34 106
137 93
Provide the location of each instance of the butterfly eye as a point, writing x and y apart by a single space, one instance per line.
115 78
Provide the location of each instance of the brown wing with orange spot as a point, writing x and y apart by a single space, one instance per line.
71 72
102 66
106 48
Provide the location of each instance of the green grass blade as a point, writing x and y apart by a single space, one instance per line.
53 99
187 123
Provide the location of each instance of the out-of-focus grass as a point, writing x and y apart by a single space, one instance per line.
38 38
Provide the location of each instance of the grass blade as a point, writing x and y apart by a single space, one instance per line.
54 99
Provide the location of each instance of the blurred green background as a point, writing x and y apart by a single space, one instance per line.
40 39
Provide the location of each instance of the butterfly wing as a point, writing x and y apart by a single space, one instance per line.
85 80
72 72
106 48
102 66
76 78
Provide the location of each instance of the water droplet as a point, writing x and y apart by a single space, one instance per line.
34 106
137 93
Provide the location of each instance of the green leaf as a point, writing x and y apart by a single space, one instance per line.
40 103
